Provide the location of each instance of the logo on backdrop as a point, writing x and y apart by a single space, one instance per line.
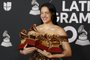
6 40
74 33
57 14
78 12
82 39
7 6
35 8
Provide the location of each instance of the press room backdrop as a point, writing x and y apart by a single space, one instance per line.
72 15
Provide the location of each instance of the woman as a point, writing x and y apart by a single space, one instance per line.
49 27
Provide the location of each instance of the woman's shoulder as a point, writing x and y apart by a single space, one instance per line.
39 26
60 30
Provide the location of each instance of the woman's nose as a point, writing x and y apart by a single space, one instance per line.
44 15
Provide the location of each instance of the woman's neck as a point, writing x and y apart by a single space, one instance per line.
48 24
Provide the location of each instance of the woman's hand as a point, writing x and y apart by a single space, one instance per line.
27 50
45 53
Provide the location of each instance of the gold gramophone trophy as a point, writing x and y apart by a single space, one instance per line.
82 39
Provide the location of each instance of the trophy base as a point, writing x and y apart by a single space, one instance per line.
82 42
6 40
34 12
6 44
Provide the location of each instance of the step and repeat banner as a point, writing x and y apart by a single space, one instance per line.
72 15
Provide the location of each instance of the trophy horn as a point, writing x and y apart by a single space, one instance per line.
82 30
33 28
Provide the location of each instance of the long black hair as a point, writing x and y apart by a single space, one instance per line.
52 10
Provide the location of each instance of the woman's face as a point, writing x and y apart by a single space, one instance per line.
45 15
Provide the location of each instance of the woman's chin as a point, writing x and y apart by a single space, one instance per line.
44 22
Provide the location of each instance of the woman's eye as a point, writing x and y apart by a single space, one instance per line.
41 13
47 12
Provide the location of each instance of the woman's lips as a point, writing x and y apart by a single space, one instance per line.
44 19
